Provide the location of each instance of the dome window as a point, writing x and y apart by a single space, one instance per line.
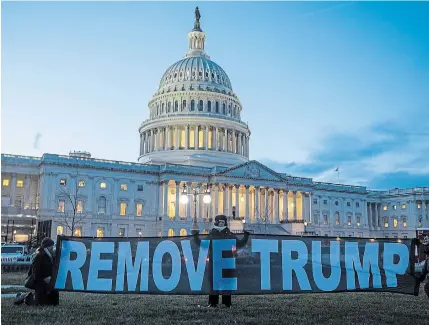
176 106
223 109
162 108
175 75
193 73
207 74
181 74
200 73
209 106
201 106
169 107
192 105
183 104
217 107
213 75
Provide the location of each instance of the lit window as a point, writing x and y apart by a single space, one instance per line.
124 187
121 232
100 232
19 183
5 182
395 222
385 207
170 232
325 219
103 185
349 220
123 209
358 221
60 230
140 188
139 232
81 183
404 206
61 205
337 221
419 205
78 232
79 206
386 224
183 232
63 181
394 207
139 209
404 223
205 232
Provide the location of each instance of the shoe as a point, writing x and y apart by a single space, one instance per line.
19 299
212 306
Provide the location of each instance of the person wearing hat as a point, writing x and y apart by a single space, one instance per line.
220 230
42 268
425 268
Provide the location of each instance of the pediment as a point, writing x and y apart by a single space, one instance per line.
252 170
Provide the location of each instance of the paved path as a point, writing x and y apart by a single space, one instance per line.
8 286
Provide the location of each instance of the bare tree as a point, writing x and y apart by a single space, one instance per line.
73 212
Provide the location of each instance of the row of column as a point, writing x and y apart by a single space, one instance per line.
342 219
194 137
258 203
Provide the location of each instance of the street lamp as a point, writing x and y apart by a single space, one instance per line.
196 192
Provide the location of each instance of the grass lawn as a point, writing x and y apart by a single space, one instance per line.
340 308
13 277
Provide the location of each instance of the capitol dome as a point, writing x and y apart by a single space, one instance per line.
194 116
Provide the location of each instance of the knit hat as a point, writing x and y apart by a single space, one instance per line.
47 242
219 218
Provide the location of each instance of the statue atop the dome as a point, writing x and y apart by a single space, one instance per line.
197 19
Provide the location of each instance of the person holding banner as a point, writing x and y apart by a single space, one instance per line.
221 231
425 269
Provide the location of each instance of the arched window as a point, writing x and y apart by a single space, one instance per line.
224 109
102 205
170 232
183 232
200 106
192 105
162 108
229 109
205 232
209 106
183 105
176 106
169 107
217 107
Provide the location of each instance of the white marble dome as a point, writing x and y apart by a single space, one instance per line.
194 116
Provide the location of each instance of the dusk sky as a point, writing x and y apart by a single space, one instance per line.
323 85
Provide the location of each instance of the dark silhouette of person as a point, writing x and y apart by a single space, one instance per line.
221 231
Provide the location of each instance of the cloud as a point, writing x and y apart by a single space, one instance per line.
383 155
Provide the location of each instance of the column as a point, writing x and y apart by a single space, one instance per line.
285 205
266 212
190 201
225 199
215 146
246 216
27 191
303 209
196 137
225 140
206 138
257 200
234 140
320 210
377 215
150 146
310 207
216 200
177 140
141 144
239 151
13 191
294 205
230 201
156 139
165 199
237 201
353 212
176 213
160 200
276 206
187 137
200 205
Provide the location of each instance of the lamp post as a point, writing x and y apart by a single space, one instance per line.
195 193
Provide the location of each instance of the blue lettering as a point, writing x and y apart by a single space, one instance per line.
195 276
296 265
66 265
96 265
265 247
166 247
391 269
331 283
353 263
220 263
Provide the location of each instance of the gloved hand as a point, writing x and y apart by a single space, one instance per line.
47 280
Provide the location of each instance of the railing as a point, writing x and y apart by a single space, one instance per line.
9 210
412 190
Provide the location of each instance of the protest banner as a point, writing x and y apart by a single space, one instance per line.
265 265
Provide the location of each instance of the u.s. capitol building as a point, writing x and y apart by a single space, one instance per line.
194 142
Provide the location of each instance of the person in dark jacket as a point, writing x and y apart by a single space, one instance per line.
220 231
42 269
425 269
